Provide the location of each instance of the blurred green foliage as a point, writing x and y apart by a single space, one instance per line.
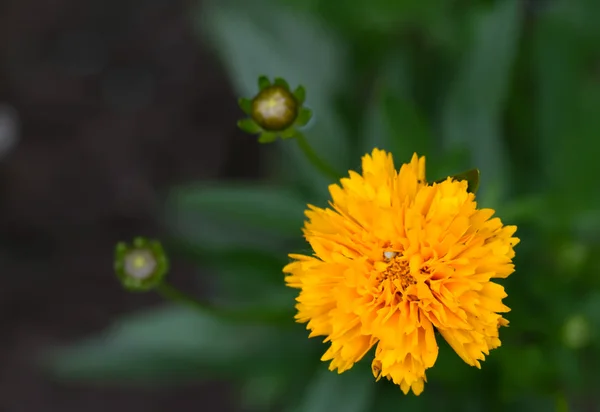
510 87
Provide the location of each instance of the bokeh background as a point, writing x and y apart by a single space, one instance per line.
118 119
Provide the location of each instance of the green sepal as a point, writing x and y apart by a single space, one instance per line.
288 133
132 283
280 81
267 137
471 176
304 117
245 105
263 83
300 95
248 125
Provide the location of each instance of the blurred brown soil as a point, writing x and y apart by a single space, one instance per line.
117 101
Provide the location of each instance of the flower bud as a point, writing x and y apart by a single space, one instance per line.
275 111
142 265
274 108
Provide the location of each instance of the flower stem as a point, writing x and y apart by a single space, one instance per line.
312 156
562 404
169 292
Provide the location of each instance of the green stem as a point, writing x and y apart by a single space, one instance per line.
562 405
169 292
312 156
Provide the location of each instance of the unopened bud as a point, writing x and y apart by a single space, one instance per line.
275 111
142 265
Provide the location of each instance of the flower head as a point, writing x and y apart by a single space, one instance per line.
274 108
141 266
396 258
275 111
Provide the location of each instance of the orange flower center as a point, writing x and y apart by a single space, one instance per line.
396 278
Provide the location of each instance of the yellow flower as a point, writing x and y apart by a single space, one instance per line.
394 258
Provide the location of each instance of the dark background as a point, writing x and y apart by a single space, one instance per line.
115 101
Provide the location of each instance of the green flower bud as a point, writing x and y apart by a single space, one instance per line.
141 266
274 108
275 111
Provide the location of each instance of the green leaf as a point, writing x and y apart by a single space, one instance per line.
263 37
568 108
233 215
471 176
175 343
533 370
534 403
570 369
377 15
250 280
157 345
531 208
393 83
389 397
261 392
473 109
351 391
393 121
408 127
249 126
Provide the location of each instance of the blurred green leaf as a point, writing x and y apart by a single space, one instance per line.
158 345
568 109
533 403
261 392
261 36
591 309
408 127
389 397
252 279
472 111
533 372
172 343
571 371
472 176
586 226
450 371
377 15
391 82
226 216
351 391
525 209
393 122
